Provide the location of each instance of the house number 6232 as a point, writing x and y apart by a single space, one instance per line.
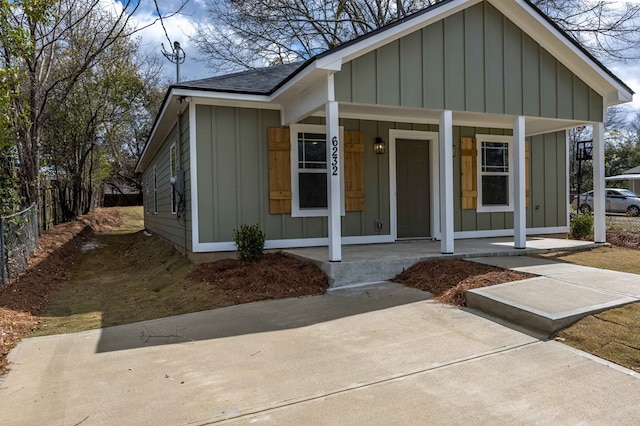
334 156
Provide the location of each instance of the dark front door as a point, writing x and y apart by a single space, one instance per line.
413 188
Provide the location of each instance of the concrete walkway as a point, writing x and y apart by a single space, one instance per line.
562 294
366 356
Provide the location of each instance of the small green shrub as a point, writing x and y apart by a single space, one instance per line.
582 226
249 240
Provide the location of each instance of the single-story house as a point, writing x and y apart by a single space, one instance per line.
632 175
450 123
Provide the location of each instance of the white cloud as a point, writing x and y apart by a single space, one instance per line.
630 75
179 27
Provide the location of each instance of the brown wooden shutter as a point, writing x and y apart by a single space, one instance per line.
354 171
527 172
469 173
279 171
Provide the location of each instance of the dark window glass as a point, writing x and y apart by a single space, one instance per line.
495 190
495 157
312 151
312 190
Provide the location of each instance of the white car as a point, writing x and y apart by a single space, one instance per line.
616 201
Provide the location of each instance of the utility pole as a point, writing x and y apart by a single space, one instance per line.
176 56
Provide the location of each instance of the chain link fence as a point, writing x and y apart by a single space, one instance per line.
623 223
18 240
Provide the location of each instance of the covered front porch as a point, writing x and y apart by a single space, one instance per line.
370 263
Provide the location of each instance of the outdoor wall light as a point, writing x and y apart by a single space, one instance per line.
378 146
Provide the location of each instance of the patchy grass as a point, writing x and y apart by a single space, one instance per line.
612 258
613 334
124 277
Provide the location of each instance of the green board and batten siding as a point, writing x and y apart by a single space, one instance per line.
233 179
165 223
475 60
547 168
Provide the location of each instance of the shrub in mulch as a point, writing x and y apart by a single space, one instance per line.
449 280
628 239
274 276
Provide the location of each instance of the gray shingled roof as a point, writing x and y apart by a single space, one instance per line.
262 81
634 171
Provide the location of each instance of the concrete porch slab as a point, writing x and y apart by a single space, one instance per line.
364 264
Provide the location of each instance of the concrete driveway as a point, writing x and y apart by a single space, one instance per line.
374 355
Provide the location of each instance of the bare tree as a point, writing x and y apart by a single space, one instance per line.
240 34
609 30
51 28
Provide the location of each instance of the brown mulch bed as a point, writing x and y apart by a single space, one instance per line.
26 296
449 280
628 239
275 276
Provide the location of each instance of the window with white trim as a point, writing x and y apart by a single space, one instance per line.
309 170
173 165
495 174
147 198
155 190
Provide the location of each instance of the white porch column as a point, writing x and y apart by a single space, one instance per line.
599 223
333 178
446 182
519 190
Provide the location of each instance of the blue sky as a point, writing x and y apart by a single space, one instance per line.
182 26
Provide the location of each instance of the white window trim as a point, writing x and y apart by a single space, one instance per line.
296 211
155 190
494 138
148 197
172 173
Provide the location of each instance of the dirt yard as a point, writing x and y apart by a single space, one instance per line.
102 270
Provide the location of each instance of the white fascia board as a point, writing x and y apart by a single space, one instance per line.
563 49
306 103
205 94
616 97
203 97
234 103
386 36
307 72
140 166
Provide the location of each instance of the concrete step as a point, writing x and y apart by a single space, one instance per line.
544 304
345 274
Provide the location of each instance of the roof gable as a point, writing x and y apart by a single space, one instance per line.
522 13
476 60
